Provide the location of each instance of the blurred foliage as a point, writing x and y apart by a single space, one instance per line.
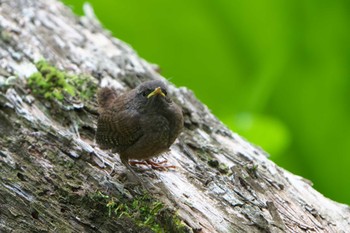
276 72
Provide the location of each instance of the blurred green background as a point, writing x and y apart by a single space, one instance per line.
277 72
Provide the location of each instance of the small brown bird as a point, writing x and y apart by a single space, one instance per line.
139 124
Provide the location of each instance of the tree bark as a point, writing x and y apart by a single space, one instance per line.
55 179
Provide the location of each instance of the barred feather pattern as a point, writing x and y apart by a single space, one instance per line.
136 126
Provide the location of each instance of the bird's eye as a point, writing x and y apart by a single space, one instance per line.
144 93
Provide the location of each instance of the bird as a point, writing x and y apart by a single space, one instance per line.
139 124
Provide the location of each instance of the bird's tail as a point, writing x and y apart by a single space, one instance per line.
105 96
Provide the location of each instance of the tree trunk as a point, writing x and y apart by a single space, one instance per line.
55 179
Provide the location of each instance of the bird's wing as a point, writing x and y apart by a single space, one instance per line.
119 130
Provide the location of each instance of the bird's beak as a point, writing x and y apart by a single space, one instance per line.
157 91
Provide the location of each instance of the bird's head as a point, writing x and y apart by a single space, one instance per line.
152 94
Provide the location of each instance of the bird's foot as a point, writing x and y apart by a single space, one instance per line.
161 166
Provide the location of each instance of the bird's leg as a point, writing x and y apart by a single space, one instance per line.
127 165
159 165
125 161
137 162
112 172
154 165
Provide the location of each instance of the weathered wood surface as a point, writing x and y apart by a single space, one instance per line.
49 162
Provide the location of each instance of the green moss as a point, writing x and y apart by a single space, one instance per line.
252 169
51 83
213 163
5 36
144 211
223 168
172 222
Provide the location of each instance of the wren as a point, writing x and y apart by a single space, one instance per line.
139 124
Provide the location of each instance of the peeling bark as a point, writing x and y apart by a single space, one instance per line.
54 177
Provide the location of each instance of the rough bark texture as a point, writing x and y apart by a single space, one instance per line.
54 178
